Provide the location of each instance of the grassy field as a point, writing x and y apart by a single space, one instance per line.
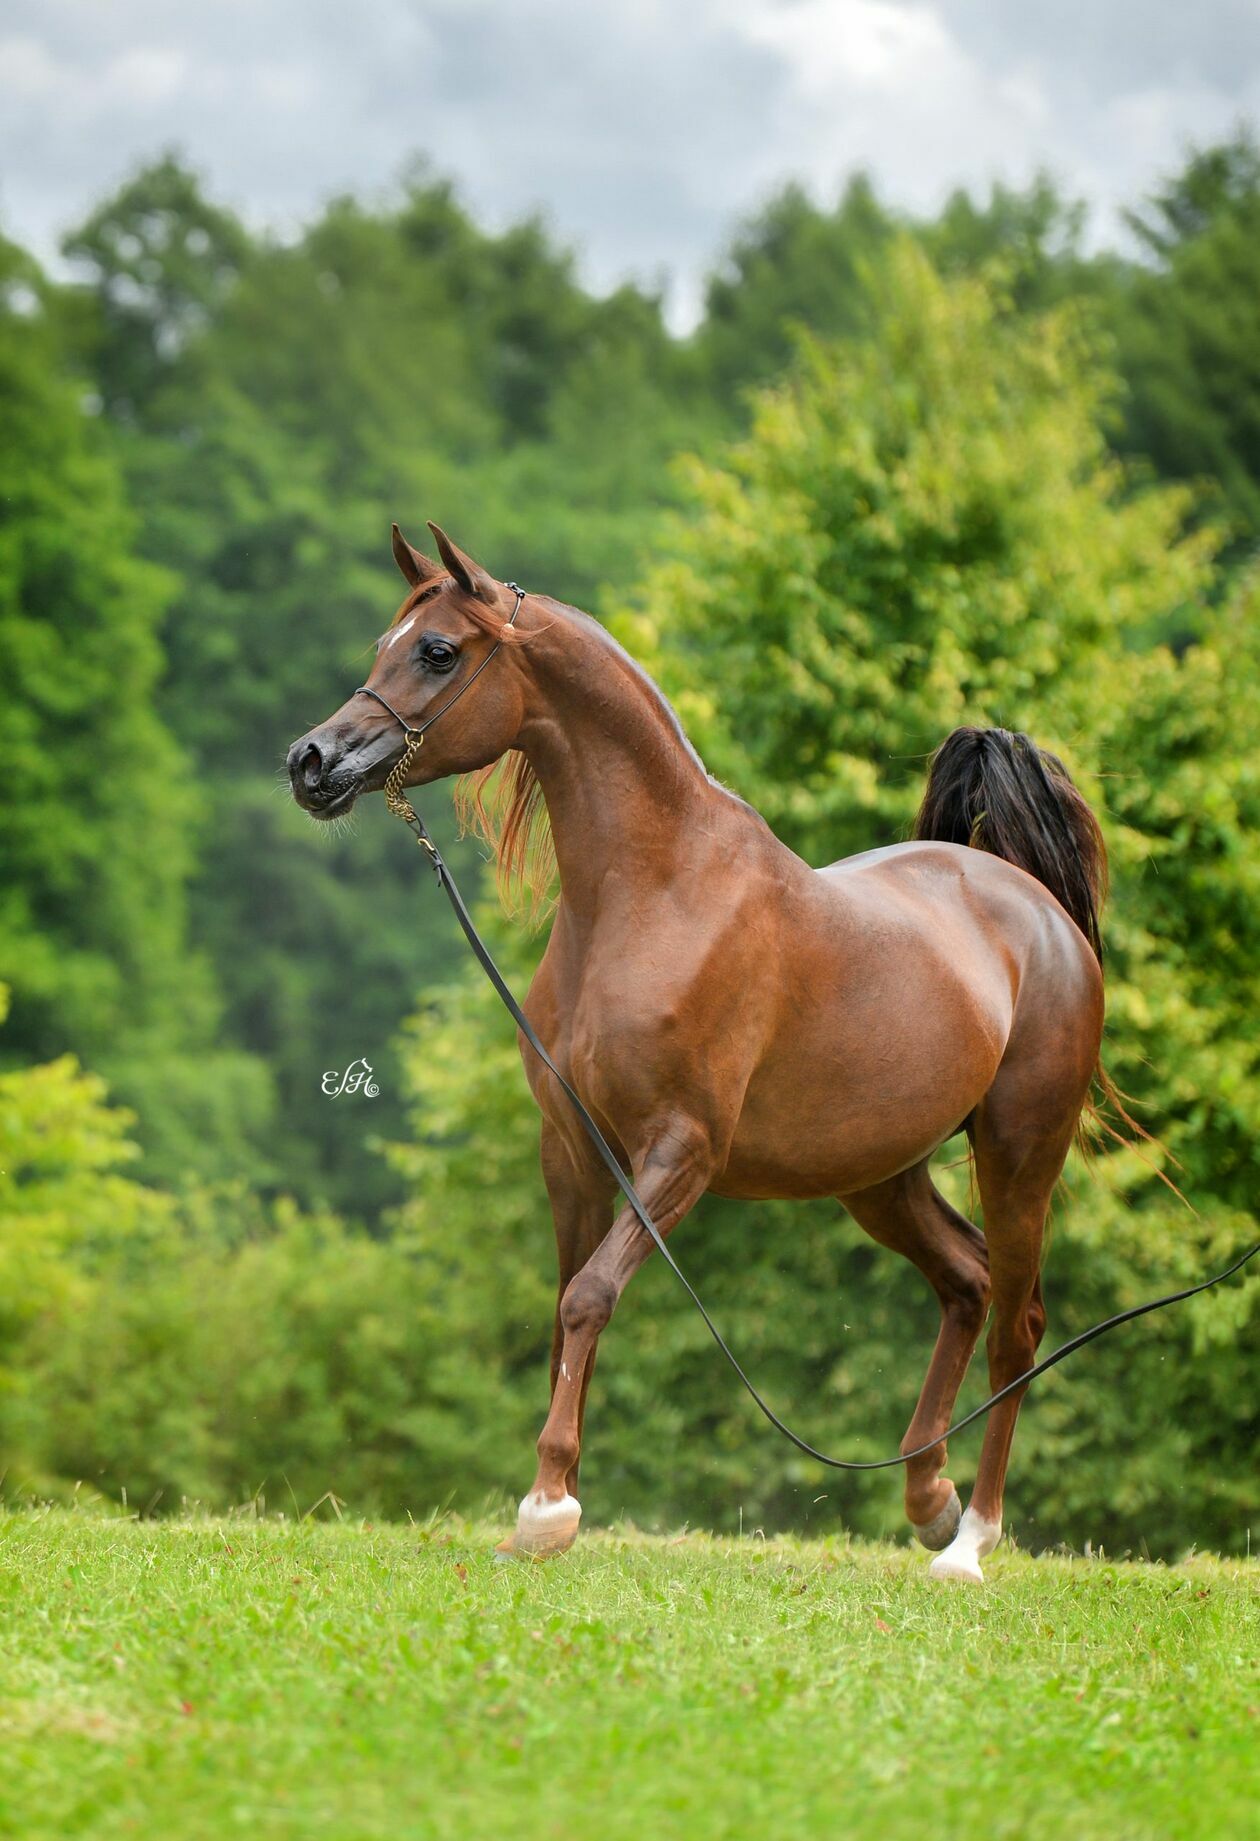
209 1678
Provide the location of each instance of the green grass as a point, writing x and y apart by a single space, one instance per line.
222 1677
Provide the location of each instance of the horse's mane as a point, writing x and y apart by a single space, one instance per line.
503 804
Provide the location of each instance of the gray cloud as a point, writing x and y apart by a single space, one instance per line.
642 128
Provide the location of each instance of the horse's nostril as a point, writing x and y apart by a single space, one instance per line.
310 765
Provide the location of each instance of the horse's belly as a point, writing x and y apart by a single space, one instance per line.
823 1160
855 1099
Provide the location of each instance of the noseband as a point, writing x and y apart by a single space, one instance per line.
413 738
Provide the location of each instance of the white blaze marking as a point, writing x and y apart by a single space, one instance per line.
404 628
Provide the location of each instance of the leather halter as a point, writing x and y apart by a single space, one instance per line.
414 736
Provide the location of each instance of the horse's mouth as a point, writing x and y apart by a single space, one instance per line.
338 805
328 788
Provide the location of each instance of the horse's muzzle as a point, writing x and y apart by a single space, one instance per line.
327 778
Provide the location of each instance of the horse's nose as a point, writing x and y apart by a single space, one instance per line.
306 765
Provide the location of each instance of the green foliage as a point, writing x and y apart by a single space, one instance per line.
395 1684
797 266
249 1354
1188 329
95 824
922 522
793 264
166 260
92 824
923 527
64 1201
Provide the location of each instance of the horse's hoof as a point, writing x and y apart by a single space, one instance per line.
942 1528
962 1566
974 1540
543 1529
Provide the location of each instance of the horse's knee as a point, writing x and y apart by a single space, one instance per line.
588 1302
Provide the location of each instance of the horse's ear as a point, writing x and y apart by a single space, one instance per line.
416 568
472 578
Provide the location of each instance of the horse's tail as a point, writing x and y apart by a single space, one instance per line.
1000 792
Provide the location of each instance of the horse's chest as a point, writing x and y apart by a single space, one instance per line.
642 1031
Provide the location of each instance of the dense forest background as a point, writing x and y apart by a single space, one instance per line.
904 473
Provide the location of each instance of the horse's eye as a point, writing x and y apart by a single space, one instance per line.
439 655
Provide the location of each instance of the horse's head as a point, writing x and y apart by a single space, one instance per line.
452 618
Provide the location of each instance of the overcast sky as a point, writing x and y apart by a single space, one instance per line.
644 129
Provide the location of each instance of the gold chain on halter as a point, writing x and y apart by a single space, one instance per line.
393 788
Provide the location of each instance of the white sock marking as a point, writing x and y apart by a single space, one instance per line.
975 1539
538 1516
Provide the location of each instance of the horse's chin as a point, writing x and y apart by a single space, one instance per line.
338 806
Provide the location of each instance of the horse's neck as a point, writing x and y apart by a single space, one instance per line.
621 781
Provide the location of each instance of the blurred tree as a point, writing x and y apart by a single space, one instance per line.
794 264
799 266
161 261
924 525
65 1204
94 831
1188 329
1032 236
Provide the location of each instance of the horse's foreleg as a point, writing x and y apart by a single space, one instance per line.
581 1196
670 1182
910 1215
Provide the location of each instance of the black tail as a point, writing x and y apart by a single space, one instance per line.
999 792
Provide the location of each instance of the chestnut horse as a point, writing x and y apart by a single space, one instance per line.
741 1023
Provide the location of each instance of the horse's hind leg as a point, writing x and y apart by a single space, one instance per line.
910 1215
1021 1139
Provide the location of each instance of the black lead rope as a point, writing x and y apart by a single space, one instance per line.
403 809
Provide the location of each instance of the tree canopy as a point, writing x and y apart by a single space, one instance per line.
906 471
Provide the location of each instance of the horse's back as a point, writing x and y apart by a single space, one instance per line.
1008 910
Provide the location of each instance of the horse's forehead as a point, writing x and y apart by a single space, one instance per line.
393 634
427 600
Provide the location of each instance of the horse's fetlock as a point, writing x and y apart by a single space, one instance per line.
557 1452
